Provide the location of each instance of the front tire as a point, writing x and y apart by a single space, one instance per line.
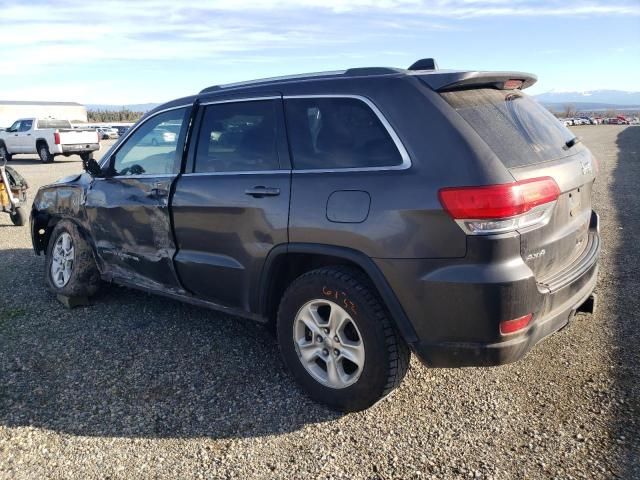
70 267
45 155
338 341
5 153
19 218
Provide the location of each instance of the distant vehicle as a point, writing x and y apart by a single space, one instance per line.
121 130
567 122
48 138
107 133
617 121
160 136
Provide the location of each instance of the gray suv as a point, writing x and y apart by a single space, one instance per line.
364 214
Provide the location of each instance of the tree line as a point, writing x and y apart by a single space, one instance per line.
123 115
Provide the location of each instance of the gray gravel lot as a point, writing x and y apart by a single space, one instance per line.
137 386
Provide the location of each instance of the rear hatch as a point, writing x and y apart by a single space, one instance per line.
532 143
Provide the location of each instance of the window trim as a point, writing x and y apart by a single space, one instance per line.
116 147
406 159
193 173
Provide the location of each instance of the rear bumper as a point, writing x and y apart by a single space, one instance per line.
456 307
80 148
465 354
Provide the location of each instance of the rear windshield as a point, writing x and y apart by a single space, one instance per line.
51 123
518 129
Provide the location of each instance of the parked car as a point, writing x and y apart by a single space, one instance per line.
161 136
365 214
567 122
121 130
48 138
616 121
107 133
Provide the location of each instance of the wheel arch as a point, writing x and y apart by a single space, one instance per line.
287 262
43 224
40 141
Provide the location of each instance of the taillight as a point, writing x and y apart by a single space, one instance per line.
98 135
501 208
56 138
515 325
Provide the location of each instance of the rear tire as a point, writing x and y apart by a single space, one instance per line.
19 218
70 267
329 317
5 153
45 155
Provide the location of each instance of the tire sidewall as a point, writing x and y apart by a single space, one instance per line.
371 384
84 275
45 155
7 155
19 218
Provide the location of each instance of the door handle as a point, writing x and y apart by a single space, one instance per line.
260 191
157 191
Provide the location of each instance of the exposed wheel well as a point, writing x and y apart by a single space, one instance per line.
286 268
40 142
43 225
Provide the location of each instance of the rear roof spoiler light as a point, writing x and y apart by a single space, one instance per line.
448 81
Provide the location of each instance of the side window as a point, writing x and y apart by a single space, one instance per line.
25 125
155 147
239 136
15 127
329 133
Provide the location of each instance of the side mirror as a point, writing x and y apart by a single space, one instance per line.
92 167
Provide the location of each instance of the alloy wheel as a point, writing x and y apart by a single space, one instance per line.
328 343
62 260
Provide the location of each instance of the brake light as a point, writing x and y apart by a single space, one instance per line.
56 138
512 326
512 84
98 135
500 208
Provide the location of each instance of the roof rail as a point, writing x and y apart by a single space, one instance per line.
352 72
263 81
366 71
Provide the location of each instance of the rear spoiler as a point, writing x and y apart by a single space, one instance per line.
442 81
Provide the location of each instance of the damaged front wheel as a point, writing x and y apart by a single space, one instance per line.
70 268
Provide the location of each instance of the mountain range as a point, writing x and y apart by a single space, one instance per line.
603 98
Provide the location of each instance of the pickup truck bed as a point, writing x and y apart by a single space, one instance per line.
48 138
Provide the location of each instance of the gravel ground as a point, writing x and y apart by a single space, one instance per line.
136 386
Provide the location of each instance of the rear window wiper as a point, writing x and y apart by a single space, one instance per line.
570 143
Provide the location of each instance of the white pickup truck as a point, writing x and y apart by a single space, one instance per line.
47 137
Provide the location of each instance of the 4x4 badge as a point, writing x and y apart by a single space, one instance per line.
586 166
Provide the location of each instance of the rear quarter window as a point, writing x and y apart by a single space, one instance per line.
335 133
51 123
518 129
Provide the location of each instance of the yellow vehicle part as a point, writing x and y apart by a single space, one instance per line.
4 196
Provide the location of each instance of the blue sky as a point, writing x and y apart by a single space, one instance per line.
119 52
